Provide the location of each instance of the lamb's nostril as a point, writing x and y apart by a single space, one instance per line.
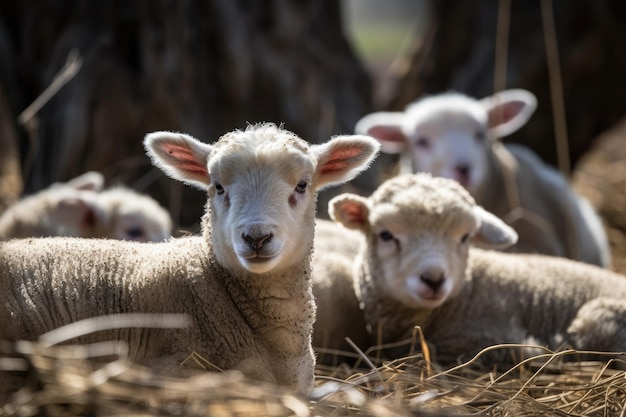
256 242
433 279
463 170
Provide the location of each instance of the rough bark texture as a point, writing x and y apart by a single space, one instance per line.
199 66
11 183
457 51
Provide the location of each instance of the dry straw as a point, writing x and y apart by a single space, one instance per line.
98 380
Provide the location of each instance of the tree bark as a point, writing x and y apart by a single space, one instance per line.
457 51
203 67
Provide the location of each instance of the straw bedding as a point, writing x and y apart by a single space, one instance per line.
97 380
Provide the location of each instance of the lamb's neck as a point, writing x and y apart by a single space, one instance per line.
489 194
278 306
275 300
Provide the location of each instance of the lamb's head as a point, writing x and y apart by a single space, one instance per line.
262 187
81 208
449 134
134 216
418 229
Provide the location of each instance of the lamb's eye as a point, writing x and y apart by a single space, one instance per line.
301 187
422 142
465 238
219 188
480 136
385 235
134 232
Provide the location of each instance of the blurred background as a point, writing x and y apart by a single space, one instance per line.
113 71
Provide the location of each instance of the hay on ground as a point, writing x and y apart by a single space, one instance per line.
99 380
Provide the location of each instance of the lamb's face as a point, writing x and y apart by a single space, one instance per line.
260 203
419 262
262 186
418 230
141 226
447 137
134 216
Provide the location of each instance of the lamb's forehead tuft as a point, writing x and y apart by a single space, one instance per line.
424 193
260 137
446 104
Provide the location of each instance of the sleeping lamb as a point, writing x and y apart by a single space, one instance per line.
245 282
417 268
455 136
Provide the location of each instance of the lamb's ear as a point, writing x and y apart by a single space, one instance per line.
350 210
78 214
180 156
386 127
89 181
493 232
508 111
342 158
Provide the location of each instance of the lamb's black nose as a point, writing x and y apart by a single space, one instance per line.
256 242
463 170
434 278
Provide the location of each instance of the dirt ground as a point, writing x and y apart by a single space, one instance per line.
601 177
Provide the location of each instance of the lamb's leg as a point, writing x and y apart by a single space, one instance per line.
600 325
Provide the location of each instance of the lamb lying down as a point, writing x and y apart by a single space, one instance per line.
454 136
245 283
418 268
81 208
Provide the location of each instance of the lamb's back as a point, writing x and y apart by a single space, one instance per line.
543 292
50 282
552 207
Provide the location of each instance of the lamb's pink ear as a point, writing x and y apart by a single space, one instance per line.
77 215
508 111
342 158
350 210
386 127
180 156
493 233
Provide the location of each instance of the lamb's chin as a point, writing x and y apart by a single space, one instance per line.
259 265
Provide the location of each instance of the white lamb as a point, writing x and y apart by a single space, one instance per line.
417 269
455 136
80 208
245 282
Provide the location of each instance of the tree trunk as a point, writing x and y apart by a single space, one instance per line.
200 67
457 51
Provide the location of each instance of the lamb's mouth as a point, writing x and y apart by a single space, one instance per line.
431 296
258 257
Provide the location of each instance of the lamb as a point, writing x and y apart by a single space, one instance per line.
245 282
417 268
455 136
338 314
81 208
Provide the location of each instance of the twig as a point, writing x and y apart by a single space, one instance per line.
556 87
70 69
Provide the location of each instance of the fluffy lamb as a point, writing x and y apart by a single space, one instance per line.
455 136
338 312
417 269
245 282
80 208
